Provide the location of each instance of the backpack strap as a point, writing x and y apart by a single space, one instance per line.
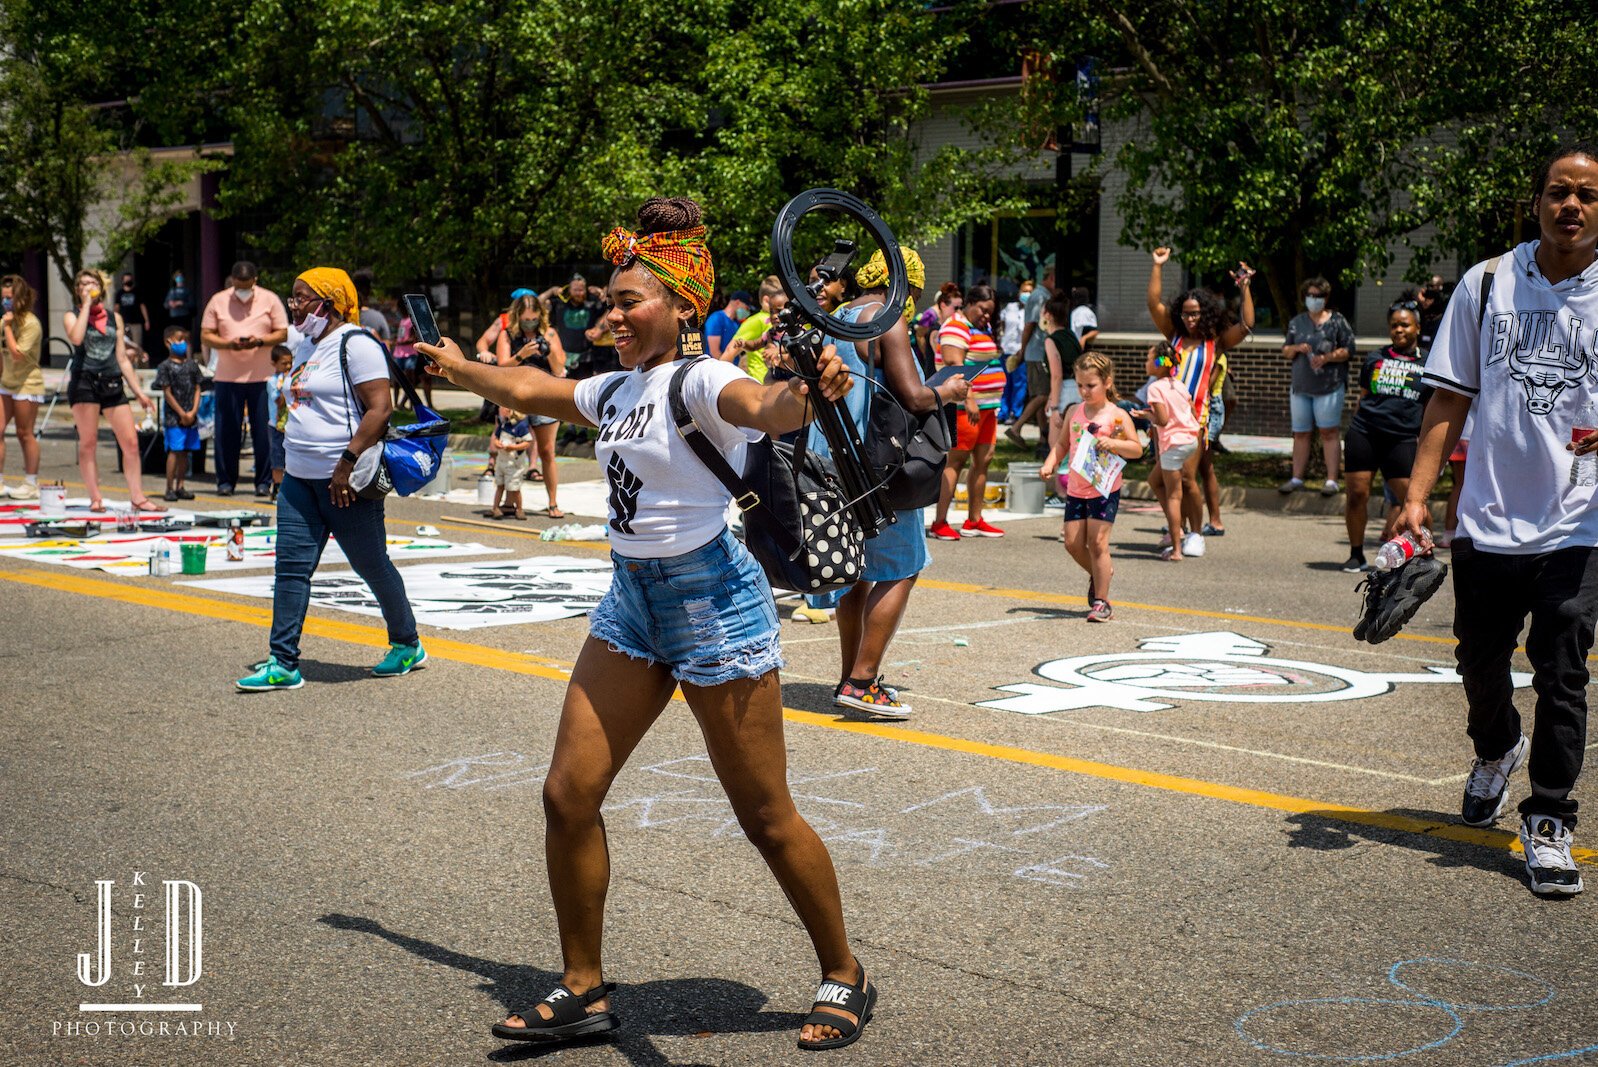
1486 291
742 495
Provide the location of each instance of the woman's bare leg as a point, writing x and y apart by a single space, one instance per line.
545 436
121 420
86 417
611 703
742 724
27 411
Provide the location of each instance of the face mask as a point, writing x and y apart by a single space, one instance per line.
312 326
1315 304
529 325
6 303
742 313
180 348
177 279
245 295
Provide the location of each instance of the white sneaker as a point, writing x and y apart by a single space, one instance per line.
1553 871
25 491
806 613
1487 787
1193 545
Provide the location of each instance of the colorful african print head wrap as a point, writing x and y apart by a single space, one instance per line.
679 258
335 285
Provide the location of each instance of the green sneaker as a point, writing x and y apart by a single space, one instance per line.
401 659
270 675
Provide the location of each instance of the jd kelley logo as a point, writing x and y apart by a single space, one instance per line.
122 961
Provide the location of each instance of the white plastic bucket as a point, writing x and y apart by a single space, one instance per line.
52 500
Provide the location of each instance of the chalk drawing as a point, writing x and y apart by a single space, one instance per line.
964 828
1451 1014
1217 666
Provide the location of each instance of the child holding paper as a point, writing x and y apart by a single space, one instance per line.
1099 438
1177 430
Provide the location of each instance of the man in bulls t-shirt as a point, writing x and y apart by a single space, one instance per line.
1527 358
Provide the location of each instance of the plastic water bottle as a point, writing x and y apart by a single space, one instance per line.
1397 552
1584 469
235 541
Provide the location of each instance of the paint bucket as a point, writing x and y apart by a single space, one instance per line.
485 491
194 557
1024 488
52 500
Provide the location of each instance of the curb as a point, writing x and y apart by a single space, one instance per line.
467 442
1239 498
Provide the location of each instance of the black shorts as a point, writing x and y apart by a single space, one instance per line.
1372 450
1100 508
89 387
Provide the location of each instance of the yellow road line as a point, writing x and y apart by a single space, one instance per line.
522 663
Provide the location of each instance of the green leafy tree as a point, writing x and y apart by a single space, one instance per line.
65 188
1312 135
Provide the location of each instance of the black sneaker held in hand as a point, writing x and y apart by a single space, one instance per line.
1392 598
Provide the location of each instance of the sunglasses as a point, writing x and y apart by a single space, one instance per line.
1403 305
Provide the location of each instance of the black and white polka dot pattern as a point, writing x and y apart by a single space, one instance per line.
834 547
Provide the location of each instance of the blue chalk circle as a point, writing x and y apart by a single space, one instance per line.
1414 977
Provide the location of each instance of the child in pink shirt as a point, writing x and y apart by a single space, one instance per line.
1089 514
1176 431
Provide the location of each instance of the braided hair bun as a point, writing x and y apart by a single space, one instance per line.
661 214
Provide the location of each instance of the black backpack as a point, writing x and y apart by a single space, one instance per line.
907 449
796 524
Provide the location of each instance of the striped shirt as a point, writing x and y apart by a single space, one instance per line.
1195 367
987 385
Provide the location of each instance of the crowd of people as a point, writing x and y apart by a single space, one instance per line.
310 380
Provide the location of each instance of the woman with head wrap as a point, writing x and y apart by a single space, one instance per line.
687 605
339 406
869 612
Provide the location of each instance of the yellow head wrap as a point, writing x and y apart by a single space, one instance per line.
335 285
679 258
875 272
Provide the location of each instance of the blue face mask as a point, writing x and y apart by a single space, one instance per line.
177 279
180 348
5 303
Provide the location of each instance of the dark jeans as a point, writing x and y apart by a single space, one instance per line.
305 517
1493 594
231 401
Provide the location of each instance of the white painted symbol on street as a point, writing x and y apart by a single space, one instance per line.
1218 666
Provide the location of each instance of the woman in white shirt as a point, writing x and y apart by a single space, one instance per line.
339 407
687 605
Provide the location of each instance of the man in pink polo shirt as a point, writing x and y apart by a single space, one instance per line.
241 324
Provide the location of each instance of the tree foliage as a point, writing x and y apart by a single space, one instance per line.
1313 135
64 185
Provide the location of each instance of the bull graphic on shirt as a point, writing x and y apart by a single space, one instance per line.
1543 355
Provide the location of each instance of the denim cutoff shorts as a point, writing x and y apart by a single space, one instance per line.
707 614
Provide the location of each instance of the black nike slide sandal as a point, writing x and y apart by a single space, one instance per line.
858 1000
571 1019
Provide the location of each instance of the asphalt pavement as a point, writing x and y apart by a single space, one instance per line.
1213 831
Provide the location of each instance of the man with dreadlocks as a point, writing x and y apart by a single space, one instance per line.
688 605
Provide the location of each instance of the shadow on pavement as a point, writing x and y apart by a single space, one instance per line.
676 1007
1332 831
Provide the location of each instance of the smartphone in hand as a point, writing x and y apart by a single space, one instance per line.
421 315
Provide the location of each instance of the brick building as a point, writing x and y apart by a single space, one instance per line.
1007 247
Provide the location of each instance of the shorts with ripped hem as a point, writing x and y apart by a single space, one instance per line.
708 614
